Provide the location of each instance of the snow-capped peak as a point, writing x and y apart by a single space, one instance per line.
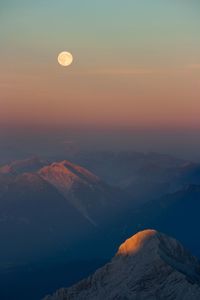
149 265
136 242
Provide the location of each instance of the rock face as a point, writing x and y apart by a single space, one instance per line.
149 265
84 190
94 199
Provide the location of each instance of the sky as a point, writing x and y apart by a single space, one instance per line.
136 63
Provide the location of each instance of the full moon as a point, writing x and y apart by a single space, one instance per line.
65 58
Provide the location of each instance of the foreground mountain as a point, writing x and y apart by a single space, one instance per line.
149 265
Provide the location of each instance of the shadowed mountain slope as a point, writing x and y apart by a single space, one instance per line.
149 265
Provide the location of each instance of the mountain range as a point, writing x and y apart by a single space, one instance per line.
60 209
51 207
147 176
72 201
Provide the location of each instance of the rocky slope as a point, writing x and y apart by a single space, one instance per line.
85 191
149 265
97 201
36 218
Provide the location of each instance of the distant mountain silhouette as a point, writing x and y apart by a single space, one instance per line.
21 166
95 199
145 176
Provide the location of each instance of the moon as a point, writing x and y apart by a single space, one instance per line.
65 58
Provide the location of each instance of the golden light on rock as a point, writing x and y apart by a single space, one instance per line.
65 58
136 242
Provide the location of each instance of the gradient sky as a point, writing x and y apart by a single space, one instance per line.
136 63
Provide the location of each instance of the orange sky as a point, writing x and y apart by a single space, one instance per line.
140 67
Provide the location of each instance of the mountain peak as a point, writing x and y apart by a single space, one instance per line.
149 264
83 189
70 169
136 242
